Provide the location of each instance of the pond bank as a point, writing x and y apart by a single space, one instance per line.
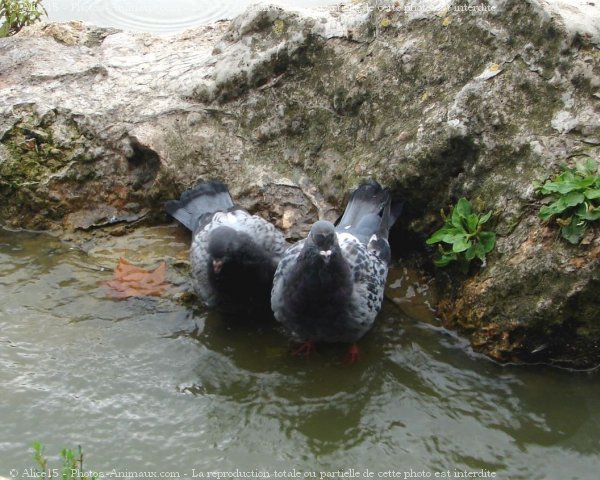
291 109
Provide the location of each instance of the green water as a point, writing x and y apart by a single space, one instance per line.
146 384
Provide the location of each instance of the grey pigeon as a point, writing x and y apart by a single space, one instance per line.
329 287
233 254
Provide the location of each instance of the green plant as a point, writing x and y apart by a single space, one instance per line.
574 194
39 457
71 465
15 14
463 232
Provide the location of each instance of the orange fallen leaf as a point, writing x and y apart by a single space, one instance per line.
132 281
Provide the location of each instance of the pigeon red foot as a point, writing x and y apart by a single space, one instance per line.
305 349
352 355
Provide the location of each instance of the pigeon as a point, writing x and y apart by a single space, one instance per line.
329 287
233 254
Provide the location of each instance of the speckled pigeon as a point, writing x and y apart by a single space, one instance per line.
233 254
329 287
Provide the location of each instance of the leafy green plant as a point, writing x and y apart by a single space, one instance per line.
574 195
71 464
15 14
463 235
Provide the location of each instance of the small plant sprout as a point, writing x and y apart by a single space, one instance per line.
463 238
71 467
574 199
39 457
15 14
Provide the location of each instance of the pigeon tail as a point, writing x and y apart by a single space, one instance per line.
362 214
396 209
389 215
205 198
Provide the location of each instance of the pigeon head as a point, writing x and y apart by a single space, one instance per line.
322 236
223 244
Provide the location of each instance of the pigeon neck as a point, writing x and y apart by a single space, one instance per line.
322 272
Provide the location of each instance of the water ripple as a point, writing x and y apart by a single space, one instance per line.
158 16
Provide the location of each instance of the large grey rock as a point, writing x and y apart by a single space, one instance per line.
292 109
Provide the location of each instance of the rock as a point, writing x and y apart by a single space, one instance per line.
293 108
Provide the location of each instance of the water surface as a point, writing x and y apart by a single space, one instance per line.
147 384
159 16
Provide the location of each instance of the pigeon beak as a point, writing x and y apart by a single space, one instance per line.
326 255
217 265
